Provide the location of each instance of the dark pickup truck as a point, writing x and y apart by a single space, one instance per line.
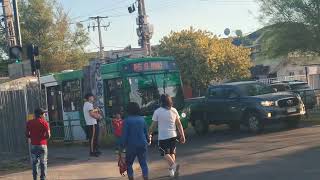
248 103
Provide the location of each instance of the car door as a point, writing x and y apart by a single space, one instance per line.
214 106
232 105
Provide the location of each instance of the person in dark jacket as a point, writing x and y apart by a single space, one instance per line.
135 140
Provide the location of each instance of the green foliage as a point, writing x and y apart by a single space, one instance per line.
3 68
295 26
46 24
203 58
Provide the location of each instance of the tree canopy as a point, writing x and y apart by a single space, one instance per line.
295 26
203 57
46 24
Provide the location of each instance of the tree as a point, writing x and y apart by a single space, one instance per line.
295 26
46 24
203 58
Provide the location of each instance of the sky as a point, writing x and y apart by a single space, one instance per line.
165 15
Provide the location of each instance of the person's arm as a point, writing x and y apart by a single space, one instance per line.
47 128
124 136
152 127
27 131
153 124
145 129
180 129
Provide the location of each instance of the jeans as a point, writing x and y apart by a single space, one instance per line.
141 153
39 155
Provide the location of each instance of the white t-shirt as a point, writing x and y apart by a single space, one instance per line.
166 122
87 107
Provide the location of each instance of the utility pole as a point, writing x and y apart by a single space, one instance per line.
9 24
144 30
99 26
17 22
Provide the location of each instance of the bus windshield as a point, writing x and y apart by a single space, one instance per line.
147 89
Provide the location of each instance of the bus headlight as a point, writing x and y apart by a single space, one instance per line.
183 115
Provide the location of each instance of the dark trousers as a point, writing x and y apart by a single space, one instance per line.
39 155
93 137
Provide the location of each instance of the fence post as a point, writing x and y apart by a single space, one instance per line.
27 111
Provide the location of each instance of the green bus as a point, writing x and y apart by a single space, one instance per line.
140 80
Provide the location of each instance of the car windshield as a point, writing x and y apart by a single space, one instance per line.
299 86
255 89
147 89
280 87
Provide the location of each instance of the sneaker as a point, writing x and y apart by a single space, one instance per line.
176 170
171 172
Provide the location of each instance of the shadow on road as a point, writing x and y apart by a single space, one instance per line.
296 166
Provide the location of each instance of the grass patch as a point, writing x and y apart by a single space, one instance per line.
11 166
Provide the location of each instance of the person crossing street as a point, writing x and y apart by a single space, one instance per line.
167 119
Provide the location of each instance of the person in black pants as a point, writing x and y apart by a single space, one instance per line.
91 117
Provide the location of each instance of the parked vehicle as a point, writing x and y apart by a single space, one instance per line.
250 103
302 88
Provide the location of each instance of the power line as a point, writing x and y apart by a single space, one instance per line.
98 19
97 11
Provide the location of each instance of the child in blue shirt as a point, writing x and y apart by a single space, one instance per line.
135 140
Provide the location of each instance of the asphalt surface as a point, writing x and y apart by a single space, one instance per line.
277 154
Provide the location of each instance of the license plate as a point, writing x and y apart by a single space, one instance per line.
291 110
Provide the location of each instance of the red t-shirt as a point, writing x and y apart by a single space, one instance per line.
37 131
117 126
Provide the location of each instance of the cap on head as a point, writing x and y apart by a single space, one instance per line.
39 112
88 95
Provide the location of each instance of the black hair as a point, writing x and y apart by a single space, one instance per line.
134 109
166 101
38 112
88 95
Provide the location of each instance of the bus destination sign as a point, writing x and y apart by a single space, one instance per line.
151 66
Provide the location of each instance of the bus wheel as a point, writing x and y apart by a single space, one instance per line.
201 127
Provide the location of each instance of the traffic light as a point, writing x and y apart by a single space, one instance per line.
15 53
32 52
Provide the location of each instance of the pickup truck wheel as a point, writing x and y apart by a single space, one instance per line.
201 127
254 123
293 122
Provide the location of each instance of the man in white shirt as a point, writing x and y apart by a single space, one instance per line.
168 120
91 118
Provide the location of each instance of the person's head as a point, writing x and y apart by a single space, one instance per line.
89 97
166 101
117 116
39 113
134 109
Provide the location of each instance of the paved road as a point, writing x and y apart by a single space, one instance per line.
276 155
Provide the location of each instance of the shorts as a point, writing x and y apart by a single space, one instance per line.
167 146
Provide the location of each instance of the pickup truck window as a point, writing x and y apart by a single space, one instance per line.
231 93
217 92
255 89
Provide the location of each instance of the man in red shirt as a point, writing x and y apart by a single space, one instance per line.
38 131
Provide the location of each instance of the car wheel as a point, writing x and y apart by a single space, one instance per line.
254 123
201 127
293 122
